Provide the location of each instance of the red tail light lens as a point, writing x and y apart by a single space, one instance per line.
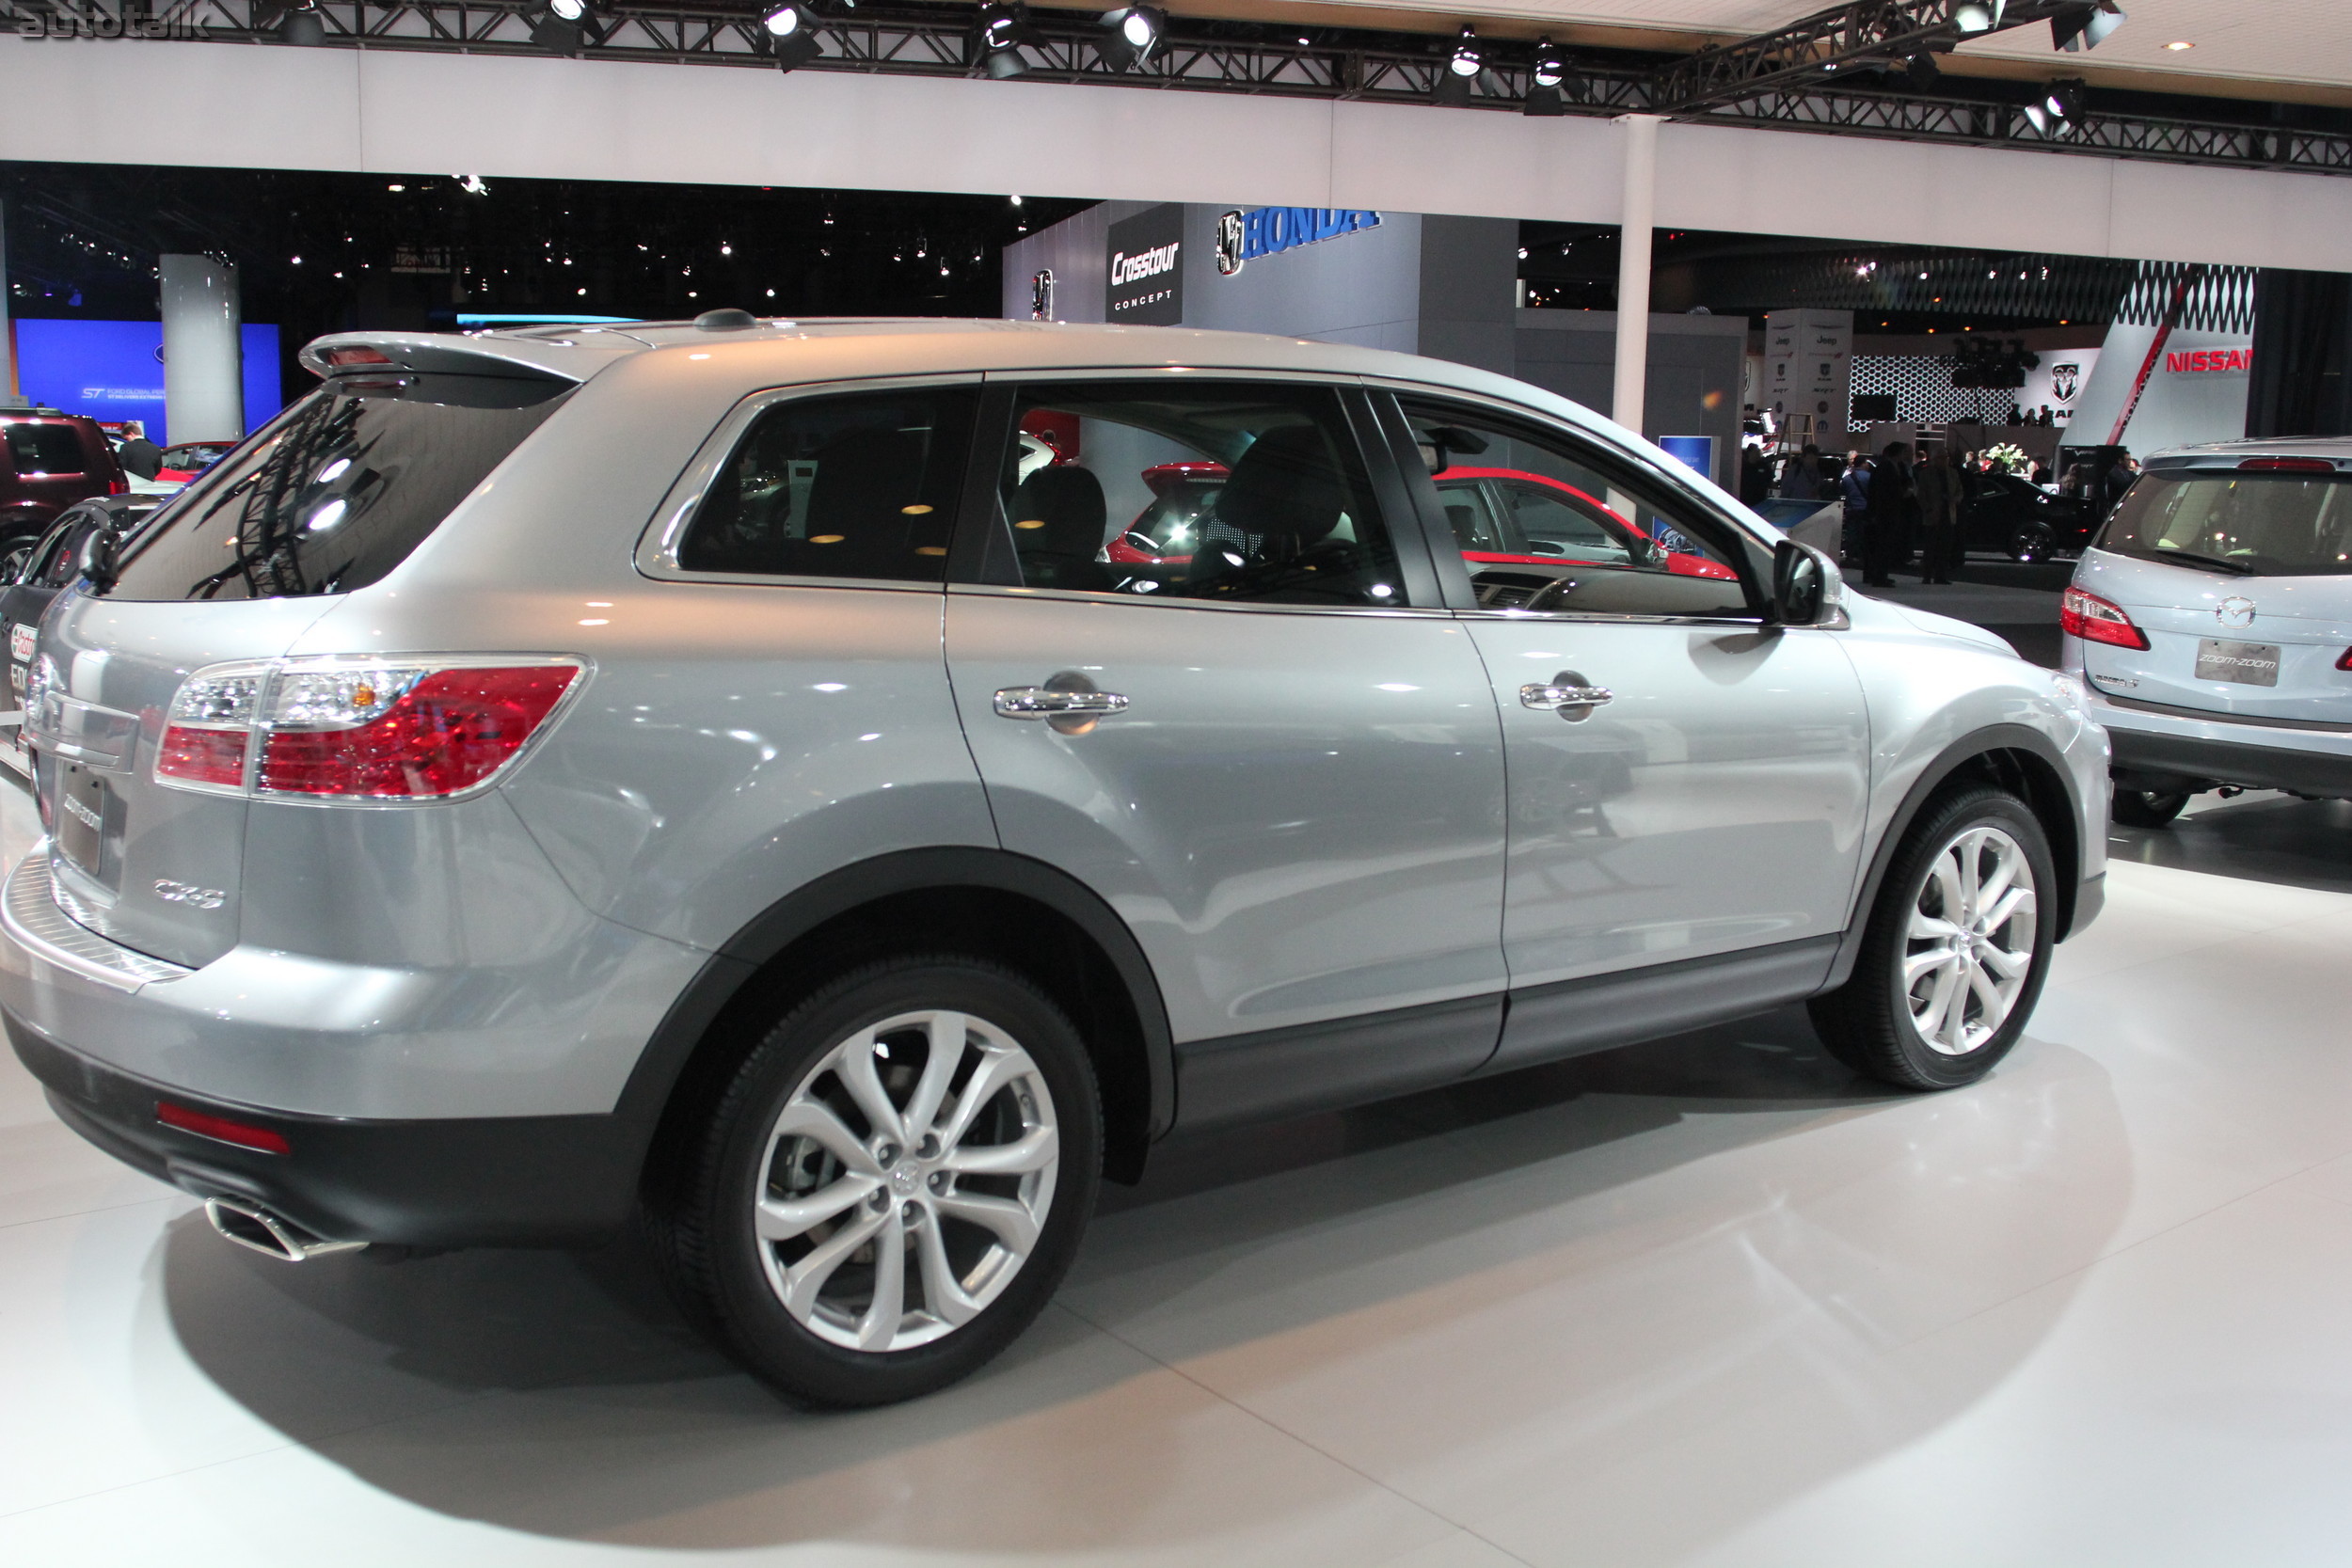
2287 465
446 732
355 730
342 357
2346 662
220 1129
117 486
2092 619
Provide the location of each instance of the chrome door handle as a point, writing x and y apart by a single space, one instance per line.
1568 694
1043 702
1068 702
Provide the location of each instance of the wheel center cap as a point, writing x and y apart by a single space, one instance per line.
905 1178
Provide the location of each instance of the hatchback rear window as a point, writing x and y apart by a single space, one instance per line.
2268 525
46 449
338 490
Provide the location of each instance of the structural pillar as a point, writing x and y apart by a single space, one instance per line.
1634 264
8 327
204 362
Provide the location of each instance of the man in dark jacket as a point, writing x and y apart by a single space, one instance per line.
1894 507
137 454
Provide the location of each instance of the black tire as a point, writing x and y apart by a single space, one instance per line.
2148 808
2032 542
720 1268
17 536
1868 1024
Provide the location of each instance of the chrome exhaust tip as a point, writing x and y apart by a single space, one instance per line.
272 1235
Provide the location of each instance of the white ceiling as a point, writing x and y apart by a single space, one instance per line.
2279 40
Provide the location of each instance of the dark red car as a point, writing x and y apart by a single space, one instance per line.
1501 517
48 461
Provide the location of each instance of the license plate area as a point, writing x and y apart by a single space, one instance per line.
89 824
2242 663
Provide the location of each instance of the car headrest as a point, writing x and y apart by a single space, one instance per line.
1068 501
1286 490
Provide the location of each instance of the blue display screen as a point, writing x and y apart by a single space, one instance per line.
114 370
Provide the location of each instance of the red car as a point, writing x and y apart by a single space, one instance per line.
1501 517
48 461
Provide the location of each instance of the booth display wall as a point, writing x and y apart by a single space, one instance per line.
1693 380
114 369
2196 393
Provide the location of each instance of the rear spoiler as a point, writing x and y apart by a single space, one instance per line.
440 354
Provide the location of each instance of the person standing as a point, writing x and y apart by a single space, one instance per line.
140 455
1854 490
1940 492
1894 503
1801 481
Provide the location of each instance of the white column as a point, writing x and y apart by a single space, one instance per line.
8 353
1633 255
203 366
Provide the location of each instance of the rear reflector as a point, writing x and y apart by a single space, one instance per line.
2094 620
339 358
2286 465
220 1129
202 756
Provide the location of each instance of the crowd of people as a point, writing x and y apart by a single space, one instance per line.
1906 499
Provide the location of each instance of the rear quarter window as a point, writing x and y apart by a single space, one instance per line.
338 490
46 449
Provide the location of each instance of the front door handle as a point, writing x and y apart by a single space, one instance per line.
1568 694
1068 702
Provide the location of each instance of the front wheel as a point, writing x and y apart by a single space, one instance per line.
1955 950
2032 542
892 1186
2148 808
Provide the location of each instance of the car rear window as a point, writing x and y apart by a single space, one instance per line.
2270 524
338 490
46 449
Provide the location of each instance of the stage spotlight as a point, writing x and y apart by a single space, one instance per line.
788 34
2079 27
1003 27
2066 102
302 24
1461 70
1921 71
1132 35
1978 16
565 26
1548 81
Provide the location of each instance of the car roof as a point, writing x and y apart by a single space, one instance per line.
2217 454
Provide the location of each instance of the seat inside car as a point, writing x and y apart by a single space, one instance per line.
1282 501
1059 519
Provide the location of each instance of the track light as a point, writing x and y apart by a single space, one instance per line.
565 26
2079 27
1548 81
302 24
1461 70
1921 71
1002 29
787 35
1978 16
1132 35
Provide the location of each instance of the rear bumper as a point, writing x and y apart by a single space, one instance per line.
478 1182
2175 750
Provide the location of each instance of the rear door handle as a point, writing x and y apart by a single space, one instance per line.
1568 694
1068 702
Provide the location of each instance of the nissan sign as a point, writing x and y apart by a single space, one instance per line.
1146 276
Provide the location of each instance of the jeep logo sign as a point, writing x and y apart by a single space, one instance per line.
1145 280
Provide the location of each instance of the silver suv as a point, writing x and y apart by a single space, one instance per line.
733 771
2213 622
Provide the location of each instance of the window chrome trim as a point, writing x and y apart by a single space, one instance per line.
1073 595
658 546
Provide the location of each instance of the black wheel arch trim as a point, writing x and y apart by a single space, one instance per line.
1932 779
724 977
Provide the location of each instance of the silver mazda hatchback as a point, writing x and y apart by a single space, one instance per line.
742 773
2213 626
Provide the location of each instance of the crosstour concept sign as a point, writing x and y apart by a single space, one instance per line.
1147 267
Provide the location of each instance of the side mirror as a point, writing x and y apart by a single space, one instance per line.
1807 589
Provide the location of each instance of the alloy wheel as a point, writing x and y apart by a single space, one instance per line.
1969 948
906 1180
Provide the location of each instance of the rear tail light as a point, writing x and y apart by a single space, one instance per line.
2346 662
220 1129
117 486
359 730
2094 620
2287 465
340 358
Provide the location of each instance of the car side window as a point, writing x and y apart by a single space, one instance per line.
1236 491
861 485
1576 532
45 448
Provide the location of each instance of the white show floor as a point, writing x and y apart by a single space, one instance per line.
1711 1301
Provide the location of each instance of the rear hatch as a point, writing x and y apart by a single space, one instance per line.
2240 580
327 499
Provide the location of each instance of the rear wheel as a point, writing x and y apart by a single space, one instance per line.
2148 808
2032 542
892 1186
1955 950
18 535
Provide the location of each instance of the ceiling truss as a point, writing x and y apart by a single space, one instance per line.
1783 80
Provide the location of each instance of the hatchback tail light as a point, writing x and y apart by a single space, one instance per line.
2094 620
2287 465
2346 662
358 730
117 486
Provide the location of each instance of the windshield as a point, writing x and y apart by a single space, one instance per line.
335 492
2270 525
